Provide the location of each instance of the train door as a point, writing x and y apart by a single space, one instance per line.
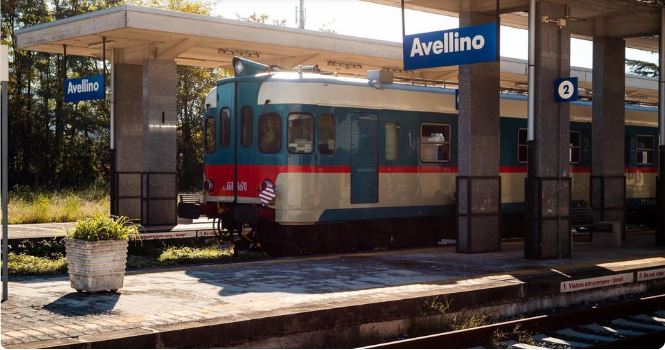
364 158
227 144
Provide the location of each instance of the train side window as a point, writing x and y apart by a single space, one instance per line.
392 141
522 148
225 132
575 147
300 133
645 149
246 126
434 142
270 133
210 142
327 133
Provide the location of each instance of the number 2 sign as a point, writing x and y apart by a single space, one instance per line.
565 89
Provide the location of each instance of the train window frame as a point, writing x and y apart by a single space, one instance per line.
520 145
445 142
300 115
651 150
206 144
246 127
262 118
574 148
225 125
396 152
327 150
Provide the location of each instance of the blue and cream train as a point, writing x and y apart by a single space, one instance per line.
357 163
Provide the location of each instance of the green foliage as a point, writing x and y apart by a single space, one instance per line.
38 206
102 228
643 68
187 254
22 264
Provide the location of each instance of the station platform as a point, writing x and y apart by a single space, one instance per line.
197 228
317 301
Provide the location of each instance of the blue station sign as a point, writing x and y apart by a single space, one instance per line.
87 88
565 89
451 47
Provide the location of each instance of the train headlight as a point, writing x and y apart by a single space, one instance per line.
239 67
208 185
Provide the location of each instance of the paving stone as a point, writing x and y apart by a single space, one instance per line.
258 289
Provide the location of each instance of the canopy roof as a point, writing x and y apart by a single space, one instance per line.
134 34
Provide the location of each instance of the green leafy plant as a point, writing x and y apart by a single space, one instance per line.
101 228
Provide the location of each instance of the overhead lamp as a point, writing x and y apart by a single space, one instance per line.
347 65
238 52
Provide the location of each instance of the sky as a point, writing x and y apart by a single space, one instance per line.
369 20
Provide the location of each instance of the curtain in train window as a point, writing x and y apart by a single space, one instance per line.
300 133
327 133
270 133
575 147
392 141
210 141
434 142
246 126
522 148
225 132
646 145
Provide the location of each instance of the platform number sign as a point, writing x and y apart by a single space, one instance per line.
565 89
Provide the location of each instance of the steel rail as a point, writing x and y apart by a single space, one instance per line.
482 335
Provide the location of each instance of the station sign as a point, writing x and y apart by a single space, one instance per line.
4 63
565 89
87 88
452 47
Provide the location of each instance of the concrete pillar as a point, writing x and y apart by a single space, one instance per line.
608 182
478 181
548 179
145 134
660 180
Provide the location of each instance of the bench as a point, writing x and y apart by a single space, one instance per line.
195 198
581 218
606 234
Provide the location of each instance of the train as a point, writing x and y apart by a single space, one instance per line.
301 161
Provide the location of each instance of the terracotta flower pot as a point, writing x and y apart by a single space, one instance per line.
95 266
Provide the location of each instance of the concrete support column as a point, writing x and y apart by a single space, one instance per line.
159 186
660 181
608 182
145 134
548 179
478 181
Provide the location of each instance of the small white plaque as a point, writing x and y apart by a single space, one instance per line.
596 282
650 274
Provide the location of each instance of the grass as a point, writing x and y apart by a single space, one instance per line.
39 206
24 262
22 265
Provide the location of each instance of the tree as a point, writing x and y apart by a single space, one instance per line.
643 68
59 144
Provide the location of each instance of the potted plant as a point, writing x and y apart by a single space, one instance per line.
97 253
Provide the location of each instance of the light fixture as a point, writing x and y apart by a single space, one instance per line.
239 67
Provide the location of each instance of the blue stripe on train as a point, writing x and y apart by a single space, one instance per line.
330 215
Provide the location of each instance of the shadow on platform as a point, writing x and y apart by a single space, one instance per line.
83 304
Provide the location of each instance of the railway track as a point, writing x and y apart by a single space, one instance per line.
638 323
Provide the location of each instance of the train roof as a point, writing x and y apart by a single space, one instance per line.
314 88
